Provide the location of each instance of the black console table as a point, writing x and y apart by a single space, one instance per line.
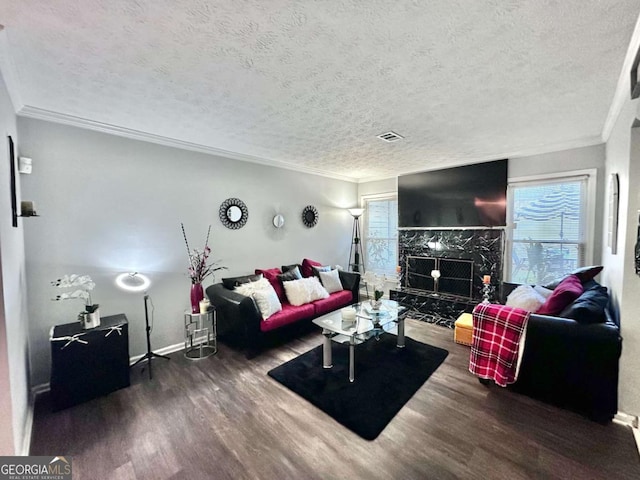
86 364
441 309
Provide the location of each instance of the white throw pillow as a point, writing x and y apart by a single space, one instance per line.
248 288
544 292
267 301
525 297
331 281
264 295
304 290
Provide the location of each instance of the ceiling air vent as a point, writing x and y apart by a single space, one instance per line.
390 137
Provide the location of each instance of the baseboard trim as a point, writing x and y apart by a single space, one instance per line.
626 419
176 347
28 427
39 389
630 421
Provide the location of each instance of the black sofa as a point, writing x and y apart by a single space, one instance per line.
571 364
239 320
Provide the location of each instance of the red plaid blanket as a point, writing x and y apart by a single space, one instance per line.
497 331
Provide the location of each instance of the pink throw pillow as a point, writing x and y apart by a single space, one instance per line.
307 267
563 295
271 275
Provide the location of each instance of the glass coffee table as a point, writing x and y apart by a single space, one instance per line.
368 323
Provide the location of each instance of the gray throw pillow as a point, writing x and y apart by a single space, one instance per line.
293 274
331 281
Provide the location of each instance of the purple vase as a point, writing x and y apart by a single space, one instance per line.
197 294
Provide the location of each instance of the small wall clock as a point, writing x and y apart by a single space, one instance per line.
278 221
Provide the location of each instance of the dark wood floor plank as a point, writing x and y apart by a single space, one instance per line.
224 418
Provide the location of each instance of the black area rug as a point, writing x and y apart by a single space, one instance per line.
386 377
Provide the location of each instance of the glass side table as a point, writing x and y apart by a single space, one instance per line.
200 332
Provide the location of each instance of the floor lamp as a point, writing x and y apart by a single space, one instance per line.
356 247
136 282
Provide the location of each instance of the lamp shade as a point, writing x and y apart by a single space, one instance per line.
356 212
133 282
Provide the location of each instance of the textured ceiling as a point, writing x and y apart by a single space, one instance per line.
311 83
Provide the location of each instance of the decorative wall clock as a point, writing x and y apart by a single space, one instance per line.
233 213
278 220
310 216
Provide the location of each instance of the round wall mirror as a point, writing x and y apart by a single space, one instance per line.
278 221
233 213
310 216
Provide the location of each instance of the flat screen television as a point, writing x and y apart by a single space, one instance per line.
467 196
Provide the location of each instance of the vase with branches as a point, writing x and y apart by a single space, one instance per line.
200 267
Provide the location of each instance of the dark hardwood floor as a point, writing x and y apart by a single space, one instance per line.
223 417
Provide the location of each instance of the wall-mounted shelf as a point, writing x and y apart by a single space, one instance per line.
14 197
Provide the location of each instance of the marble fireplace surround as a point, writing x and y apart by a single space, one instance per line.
484 247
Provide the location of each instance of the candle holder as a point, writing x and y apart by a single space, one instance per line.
486 293
435 274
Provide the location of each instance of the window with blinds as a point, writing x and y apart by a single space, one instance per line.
380 234
548 221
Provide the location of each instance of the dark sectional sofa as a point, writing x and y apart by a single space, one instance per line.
572 360
239 319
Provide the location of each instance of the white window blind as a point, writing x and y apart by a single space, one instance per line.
380 234
548 237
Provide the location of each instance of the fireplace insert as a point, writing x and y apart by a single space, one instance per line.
456 276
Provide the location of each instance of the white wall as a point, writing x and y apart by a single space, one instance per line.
378 186
623 158
14 352
110 205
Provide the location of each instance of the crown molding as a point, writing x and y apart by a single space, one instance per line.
582 142
377 178
29 111
623 87
9 72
